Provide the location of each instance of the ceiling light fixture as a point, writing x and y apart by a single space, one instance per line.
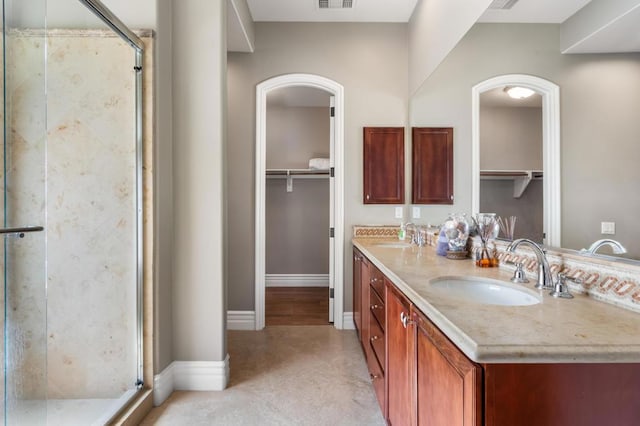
518 92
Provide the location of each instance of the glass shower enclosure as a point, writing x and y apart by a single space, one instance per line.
71 231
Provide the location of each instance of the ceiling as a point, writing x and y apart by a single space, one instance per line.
308 11
542 11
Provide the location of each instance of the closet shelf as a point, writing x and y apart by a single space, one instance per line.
297 173
521 178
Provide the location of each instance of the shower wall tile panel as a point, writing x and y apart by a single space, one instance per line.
89 153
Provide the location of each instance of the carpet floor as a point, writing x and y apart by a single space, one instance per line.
283 375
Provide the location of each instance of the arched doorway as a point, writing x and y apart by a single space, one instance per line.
336 207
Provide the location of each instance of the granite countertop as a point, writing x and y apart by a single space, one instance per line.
579 330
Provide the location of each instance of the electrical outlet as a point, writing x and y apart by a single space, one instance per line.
608 228
399 212
416 213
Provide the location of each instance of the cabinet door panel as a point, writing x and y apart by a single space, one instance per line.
448 385
432 172
383 165
399 359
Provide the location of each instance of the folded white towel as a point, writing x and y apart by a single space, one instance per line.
319 163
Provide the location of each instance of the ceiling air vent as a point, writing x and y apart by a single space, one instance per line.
335 4
502 4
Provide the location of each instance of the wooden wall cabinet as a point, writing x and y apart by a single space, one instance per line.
432 165
383 166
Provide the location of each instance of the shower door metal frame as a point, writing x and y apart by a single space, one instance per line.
102 12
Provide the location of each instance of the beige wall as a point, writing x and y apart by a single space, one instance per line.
369 60
199 121
599 104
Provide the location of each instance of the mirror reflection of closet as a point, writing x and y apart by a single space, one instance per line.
297 206
511 160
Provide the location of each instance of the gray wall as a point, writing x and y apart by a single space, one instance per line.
370 61
296 134
199 124
297 222
297 227
510 138
599 125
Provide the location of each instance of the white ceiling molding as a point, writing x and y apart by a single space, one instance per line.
603 26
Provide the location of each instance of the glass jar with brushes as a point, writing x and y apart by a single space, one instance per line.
487 228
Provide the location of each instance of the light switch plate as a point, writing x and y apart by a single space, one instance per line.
608 228
416 213
399 212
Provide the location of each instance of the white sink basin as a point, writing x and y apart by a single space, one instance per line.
486 291
393 244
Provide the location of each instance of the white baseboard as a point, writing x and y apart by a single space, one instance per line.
241 320
296 280
347 321
163 385
190 376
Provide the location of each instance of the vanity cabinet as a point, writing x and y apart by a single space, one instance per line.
432 165
421 378
383 166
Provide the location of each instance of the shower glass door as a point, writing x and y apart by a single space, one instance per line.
71 216
24 196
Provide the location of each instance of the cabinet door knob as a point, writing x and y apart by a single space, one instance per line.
374 376
374 338
404 319
374 307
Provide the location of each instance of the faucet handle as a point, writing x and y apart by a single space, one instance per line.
561 289
518 275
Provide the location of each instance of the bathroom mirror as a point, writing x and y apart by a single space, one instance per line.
594 194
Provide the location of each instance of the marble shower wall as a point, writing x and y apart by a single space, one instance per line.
77 179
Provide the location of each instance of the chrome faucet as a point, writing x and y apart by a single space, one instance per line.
615 246
545 281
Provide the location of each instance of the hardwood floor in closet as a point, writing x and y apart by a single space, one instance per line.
296 306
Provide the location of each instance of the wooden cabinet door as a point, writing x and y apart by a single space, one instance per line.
432 172
357 302
448 385
383 165
399 358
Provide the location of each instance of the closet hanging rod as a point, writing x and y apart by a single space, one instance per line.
294 172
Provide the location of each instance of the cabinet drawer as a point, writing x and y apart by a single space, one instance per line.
377 283
377 341
377 380
376 307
